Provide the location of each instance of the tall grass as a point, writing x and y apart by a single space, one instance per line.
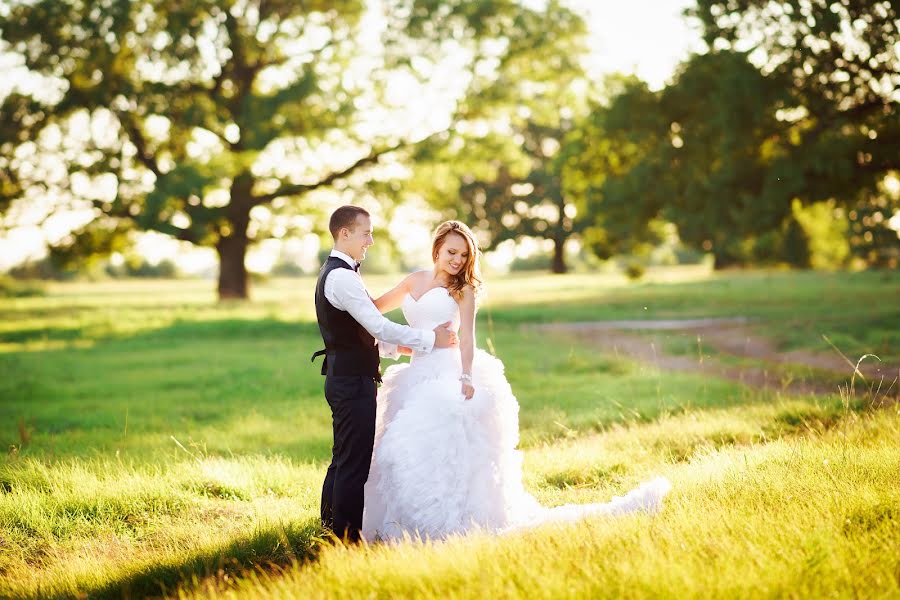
104 526
815 516
160 441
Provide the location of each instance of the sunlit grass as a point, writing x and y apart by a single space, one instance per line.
156 437
194 381
795 309
815 516
98 523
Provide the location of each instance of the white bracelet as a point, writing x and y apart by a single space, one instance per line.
465 378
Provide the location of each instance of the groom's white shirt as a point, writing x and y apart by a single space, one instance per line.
345 291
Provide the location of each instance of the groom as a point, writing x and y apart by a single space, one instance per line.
350 325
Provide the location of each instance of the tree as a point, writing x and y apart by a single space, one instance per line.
535 204
795 101
502 166
200 119
702 158
618 135
839 60
840 68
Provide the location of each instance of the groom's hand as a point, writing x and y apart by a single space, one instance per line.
444 338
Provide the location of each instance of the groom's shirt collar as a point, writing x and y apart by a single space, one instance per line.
345 257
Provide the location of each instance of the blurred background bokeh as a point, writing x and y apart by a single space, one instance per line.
213 138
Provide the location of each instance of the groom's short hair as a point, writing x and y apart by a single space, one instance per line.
345 216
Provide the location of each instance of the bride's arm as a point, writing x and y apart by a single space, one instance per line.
393 298
467 338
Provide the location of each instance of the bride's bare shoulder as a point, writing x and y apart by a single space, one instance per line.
420 276
414 280
466 294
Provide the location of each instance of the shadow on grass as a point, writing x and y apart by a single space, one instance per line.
177 330
267 548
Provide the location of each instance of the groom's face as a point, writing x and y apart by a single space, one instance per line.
358 239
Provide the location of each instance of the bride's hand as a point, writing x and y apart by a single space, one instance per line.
467 390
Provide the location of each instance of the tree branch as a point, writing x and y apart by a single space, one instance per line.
185 235
122 212
140 143
296 189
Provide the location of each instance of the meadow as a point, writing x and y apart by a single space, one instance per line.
162 443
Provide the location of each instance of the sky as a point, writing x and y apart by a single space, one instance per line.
645 37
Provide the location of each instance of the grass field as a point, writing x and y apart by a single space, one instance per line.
160 442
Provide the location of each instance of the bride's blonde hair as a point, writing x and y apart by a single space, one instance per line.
470 274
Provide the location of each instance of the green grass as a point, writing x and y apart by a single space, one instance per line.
858 311
159 440
812 517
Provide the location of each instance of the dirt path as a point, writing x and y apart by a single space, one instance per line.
762 364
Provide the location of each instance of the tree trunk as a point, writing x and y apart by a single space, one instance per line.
559 258
563 229
232 246
233 280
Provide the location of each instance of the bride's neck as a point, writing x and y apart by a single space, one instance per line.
440 277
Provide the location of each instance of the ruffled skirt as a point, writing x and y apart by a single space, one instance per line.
443 465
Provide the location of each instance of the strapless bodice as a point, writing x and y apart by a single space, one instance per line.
434 307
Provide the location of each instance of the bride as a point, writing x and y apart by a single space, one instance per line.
445 458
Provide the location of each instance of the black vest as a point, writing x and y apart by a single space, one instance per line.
349 348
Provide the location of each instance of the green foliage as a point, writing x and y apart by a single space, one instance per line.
502 167
84 248
606 146
150 77
840 64
382 259
694 157
795 244
825 229
287 268
136 266
44 268
635 271
171 112
539 261
727 148
871 236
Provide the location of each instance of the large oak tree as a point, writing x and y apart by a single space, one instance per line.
185 117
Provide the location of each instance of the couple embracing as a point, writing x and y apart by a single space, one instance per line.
433 452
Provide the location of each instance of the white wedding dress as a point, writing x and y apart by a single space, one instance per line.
442 464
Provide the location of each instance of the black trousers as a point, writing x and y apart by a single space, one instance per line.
352 402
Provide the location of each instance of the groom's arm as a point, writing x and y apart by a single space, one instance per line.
386 350
345 291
